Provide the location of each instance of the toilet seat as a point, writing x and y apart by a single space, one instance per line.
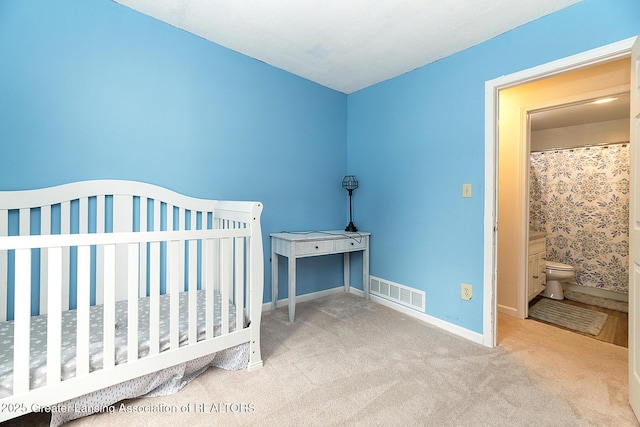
553 265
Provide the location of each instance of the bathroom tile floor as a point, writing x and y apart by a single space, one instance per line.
615 331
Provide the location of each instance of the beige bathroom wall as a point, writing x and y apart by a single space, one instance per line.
513 163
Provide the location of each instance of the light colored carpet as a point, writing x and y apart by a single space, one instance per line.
347 361
607 303
569 316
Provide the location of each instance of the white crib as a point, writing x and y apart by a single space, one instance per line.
103 282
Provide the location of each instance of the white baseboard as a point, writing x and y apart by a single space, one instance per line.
449 327
507 310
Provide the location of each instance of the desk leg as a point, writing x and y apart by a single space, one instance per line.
347 272
274 280
292 288
365 269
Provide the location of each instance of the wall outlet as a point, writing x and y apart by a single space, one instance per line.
466 291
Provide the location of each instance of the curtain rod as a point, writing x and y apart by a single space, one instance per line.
604 144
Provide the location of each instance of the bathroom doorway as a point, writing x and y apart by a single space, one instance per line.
517 105
493 89
579 204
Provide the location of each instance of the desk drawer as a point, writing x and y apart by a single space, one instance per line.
314 247
344 245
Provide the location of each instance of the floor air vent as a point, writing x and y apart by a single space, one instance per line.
400 294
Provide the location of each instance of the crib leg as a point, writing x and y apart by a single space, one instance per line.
255 358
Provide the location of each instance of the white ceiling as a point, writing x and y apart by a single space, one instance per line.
347 45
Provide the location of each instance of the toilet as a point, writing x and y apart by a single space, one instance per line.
557 273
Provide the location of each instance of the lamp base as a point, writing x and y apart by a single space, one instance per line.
351 227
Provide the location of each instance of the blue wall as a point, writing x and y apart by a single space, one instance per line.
91 89
414 140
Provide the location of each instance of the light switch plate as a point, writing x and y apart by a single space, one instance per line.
466 190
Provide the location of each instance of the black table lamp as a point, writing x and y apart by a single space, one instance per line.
350 183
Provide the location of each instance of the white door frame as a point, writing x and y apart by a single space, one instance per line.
492 87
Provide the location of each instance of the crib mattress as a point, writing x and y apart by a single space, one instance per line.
38 354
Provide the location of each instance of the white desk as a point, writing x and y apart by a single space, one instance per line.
308 244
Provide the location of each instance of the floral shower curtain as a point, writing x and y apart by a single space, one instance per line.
580 198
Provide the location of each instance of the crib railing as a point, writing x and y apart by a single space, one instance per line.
214 260
106 206
87 245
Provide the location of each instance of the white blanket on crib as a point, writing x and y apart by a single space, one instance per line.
38 351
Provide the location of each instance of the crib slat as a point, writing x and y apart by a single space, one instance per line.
65 228
174 293
54 317
45 220
225 285
25 220
122 222
207 279
154 299
4 231
83 228
156 215
45 229
179 220
24 228
82 312
239 282
193 291
143 248
214 259
157 226
83 215
100 214
65 217
132 301
193 222
247 285
181 265
21 331
109 326
142 220
4 222
169 217
100 206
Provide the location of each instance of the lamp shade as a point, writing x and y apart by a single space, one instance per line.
349 182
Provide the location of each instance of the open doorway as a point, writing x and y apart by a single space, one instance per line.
513 111
629 48
516 106
578 217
